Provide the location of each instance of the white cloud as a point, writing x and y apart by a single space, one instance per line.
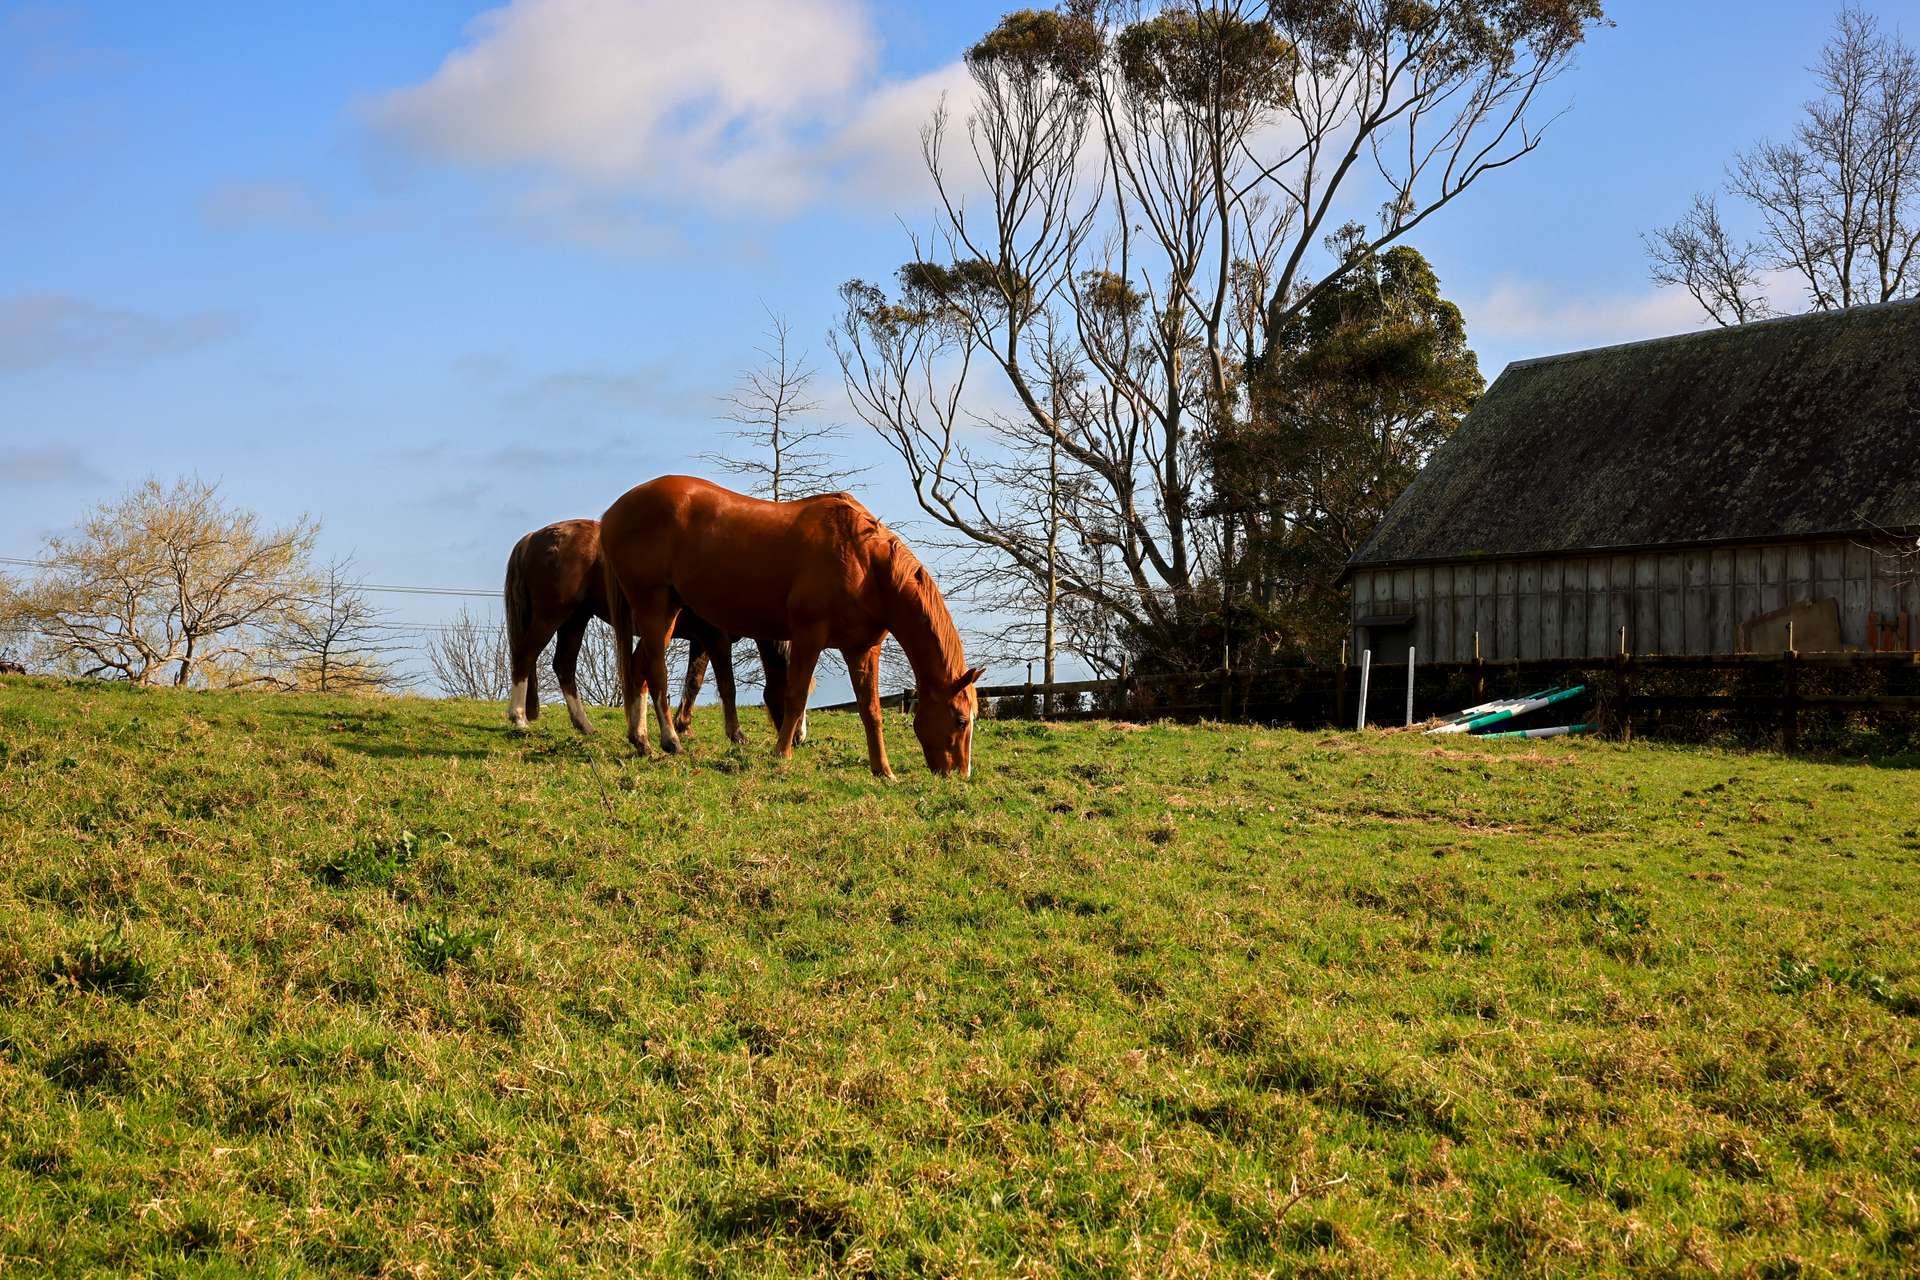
1540 320
267 203
612 110
651 95
875 155
28 467
41 330
1543 320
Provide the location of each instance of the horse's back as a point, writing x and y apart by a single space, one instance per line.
558 567
735 559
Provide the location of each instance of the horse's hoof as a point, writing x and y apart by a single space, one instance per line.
670 745
738 737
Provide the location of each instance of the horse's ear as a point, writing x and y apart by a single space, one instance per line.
973 674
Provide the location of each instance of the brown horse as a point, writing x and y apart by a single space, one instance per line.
820 573
555 583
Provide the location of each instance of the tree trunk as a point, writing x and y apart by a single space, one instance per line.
1053 574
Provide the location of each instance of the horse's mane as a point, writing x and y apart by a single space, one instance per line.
921 620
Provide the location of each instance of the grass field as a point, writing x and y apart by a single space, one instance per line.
293 984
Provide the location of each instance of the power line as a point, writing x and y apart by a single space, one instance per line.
473 592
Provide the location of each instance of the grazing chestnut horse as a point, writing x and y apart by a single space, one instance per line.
819 573
555 584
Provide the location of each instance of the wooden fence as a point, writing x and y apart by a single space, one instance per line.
1754 694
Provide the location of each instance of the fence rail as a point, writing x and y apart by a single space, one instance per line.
1627 690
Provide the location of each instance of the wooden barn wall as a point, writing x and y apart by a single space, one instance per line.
1686 601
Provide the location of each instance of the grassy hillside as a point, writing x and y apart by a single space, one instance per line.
298 984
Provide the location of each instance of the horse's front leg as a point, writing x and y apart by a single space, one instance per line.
801 657
864 667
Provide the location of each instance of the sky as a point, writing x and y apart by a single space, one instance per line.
439 273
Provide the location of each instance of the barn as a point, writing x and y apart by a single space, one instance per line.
1692 493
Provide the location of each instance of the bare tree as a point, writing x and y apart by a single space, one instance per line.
469 659
781 447
1157 186
1837 207
168 584
1697 254
338 640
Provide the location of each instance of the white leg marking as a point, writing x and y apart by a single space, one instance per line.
517 705
578 713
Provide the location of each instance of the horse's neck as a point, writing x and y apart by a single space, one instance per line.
918 619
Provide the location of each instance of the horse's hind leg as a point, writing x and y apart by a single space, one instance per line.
697 643
801 657
626 657
653 616
523 655
723 681
566 665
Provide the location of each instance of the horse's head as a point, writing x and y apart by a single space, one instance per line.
943 721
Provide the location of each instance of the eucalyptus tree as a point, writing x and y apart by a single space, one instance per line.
1144 202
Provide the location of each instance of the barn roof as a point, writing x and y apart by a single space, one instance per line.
1781 429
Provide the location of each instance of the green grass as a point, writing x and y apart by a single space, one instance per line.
296 984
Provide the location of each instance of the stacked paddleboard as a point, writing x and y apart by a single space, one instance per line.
1487 719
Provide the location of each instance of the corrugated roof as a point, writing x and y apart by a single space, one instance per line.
1798 426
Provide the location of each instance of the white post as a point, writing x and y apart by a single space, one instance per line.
1366 670
1409 686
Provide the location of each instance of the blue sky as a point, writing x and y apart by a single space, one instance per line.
288 247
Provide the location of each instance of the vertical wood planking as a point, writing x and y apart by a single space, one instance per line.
1599 606
1645 635
1573 611
1856 588
1506 610
1620 600
1552 597
1526 592
1673 630
1773 579
1720 604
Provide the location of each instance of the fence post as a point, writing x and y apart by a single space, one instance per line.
1479 673
1340 688
1366 671
1410 686
1790 707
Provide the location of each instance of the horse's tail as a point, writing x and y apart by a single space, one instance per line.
518 602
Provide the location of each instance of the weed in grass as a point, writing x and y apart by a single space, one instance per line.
1458 940
90 1066
434 944
1791 975
1613 921
374 863
105 963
